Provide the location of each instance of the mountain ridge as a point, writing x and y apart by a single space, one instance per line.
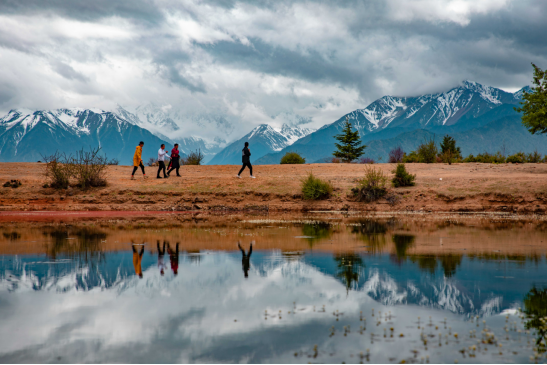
456 110
262 139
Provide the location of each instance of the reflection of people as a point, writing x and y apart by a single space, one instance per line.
174 257
161 253
245 258
137 259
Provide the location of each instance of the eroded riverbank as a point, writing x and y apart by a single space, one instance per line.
514 188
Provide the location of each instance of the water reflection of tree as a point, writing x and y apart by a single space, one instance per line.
535 310
350 266
316 232
12 236
450 263
428 263
373 233
402 243
84 244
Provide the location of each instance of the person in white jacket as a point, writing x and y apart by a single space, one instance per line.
161 161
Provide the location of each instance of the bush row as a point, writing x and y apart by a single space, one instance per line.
373 186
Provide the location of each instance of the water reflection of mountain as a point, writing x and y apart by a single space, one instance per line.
477 287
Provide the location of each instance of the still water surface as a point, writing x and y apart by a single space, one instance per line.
352 291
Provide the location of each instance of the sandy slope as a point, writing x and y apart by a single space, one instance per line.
464 187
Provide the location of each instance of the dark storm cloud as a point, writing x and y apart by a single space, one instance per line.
85 10
259 56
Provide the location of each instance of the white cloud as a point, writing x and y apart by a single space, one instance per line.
457 11
248 64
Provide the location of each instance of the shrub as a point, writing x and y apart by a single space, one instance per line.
193 158
88 168
396 155
113 162
402 177
372 187
314 188
335 160
367 160
518 157
534 157
412 157
152 162
292 158
57 173
427 151
486 158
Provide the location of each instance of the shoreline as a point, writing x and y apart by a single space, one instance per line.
464 188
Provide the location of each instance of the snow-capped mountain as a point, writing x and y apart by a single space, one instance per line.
161 122
262 140
392 115
441 293
470 99
27 135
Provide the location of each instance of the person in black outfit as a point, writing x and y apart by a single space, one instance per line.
245 157
245 258
175 160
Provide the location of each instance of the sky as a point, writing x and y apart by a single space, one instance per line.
225 66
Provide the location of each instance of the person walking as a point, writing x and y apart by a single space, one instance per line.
175 160
245 157
137 161
161 161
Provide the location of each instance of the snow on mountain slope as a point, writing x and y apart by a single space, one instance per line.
469 100
293 134
160 123
263 139
28 135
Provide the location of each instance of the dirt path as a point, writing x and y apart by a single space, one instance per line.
464 188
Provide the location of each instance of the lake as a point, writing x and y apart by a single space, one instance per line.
258 289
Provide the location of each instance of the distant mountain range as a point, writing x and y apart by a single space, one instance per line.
262 140
482 116
27 135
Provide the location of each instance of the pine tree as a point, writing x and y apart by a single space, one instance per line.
534 104
349 148
449 151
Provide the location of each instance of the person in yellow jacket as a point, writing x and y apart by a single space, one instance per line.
137 161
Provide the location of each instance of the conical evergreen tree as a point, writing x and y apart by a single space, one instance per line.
349 148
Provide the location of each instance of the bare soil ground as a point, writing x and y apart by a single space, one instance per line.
511 188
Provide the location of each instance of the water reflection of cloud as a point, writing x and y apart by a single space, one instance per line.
212 314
